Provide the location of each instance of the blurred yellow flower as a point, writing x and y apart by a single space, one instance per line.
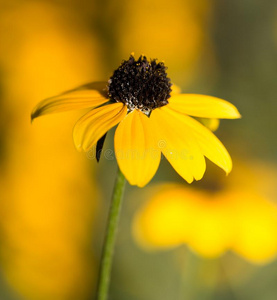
210 223
137 97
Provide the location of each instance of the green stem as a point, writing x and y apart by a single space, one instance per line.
109 242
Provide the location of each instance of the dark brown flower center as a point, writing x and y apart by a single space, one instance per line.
140 84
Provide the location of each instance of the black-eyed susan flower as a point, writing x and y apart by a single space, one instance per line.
239 217
152 118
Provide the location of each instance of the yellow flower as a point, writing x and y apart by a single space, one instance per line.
153 119
241 220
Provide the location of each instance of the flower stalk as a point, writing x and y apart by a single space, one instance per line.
109 242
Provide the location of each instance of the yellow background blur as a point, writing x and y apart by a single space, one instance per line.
54 200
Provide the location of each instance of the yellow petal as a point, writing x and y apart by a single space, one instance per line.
210 145
87 96
137 155
203 106
178 144
93 125
211 124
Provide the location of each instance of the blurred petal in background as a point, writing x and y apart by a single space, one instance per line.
238 218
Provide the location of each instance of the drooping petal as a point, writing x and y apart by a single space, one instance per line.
178 145
211 124
87 96
203 106
93 125
137 155
99 147
209 144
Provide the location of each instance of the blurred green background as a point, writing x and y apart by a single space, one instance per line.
54 200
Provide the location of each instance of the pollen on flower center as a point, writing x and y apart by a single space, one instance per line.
140 84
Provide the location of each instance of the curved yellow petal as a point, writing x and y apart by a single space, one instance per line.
93 125
209 144
177 144
203 106
87 96
211 124
137 155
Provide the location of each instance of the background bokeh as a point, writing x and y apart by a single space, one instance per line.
54 200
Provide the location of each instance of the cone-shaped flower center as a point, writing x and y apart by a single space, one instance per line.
140 84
